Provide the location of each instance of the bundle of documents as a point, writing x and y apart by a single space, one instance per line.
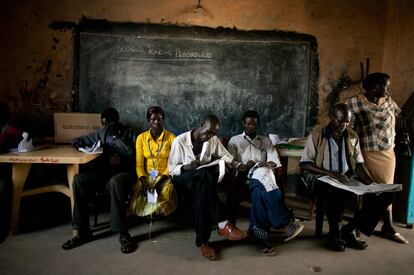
359 188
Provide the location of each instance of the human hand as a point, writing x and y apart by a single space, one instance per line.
76 144
341 178
144 184
250 164
192 165
159 180
268 164
114 130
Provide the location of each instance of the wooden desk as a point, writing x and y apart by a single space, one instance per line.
284 155
289 152
50 154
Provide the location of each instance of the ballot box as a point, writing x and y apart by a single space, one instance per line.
71 125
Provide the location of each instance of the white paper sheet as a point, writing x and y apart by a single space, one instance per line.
359 188
222 168
152 197
94 149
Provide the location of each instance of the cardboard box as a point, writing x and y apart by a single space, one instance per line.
72 125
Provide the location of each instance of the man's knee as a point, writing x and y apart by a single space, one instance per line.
121 181
205 176
387 198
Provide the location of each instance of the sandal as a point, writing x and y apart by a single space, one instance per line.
267 249
393 236
127 244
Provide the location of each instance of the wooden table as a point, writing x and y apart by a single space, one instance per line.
284 155
289 152
49 154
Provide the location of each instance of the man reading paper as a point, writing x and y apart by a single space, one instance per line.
189 151
334 151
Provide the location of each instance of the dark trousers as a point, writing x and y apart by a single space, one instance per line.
366 219
237 191
5 200
119 187
5 207
200 185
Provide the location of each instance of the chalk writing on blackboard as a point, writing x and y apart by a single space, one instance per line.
191 72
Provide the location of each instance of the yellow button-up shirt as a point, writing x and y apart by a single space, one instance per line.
147 159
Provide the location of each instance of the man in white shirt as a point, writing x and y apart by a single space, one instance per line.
190 150
259 160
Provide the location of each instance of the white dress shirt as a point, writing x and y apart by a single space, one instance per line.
182 153
258 149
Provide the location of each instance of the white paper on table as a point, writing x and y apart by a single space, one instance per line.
359 188
152 197
94 149
222 168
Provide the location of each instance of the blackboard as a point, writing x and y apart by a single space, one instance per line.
194 71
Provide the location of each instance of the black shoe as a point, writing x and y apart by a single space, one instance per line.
336 244
127 244
77 240
353 242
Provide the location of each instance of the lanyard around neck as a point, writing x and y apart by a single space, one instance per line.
155 159
254 145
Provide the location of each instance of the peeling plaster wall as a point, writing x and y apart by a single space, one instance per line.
36 65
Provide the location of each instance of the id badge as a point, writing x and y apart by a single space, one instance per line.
153 174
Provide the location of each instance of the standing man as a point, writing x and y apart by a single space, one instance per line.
189 150
9 138
334 151
257 155
117 172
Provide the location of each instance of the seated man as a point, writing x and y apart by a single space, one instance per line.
9 138
188 151
334 151
117 173
257 155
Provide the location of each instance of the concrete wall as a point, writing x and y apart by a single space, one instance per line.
399 49
36 62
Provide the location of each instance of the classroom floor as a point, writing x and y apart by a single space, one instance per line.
171 250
